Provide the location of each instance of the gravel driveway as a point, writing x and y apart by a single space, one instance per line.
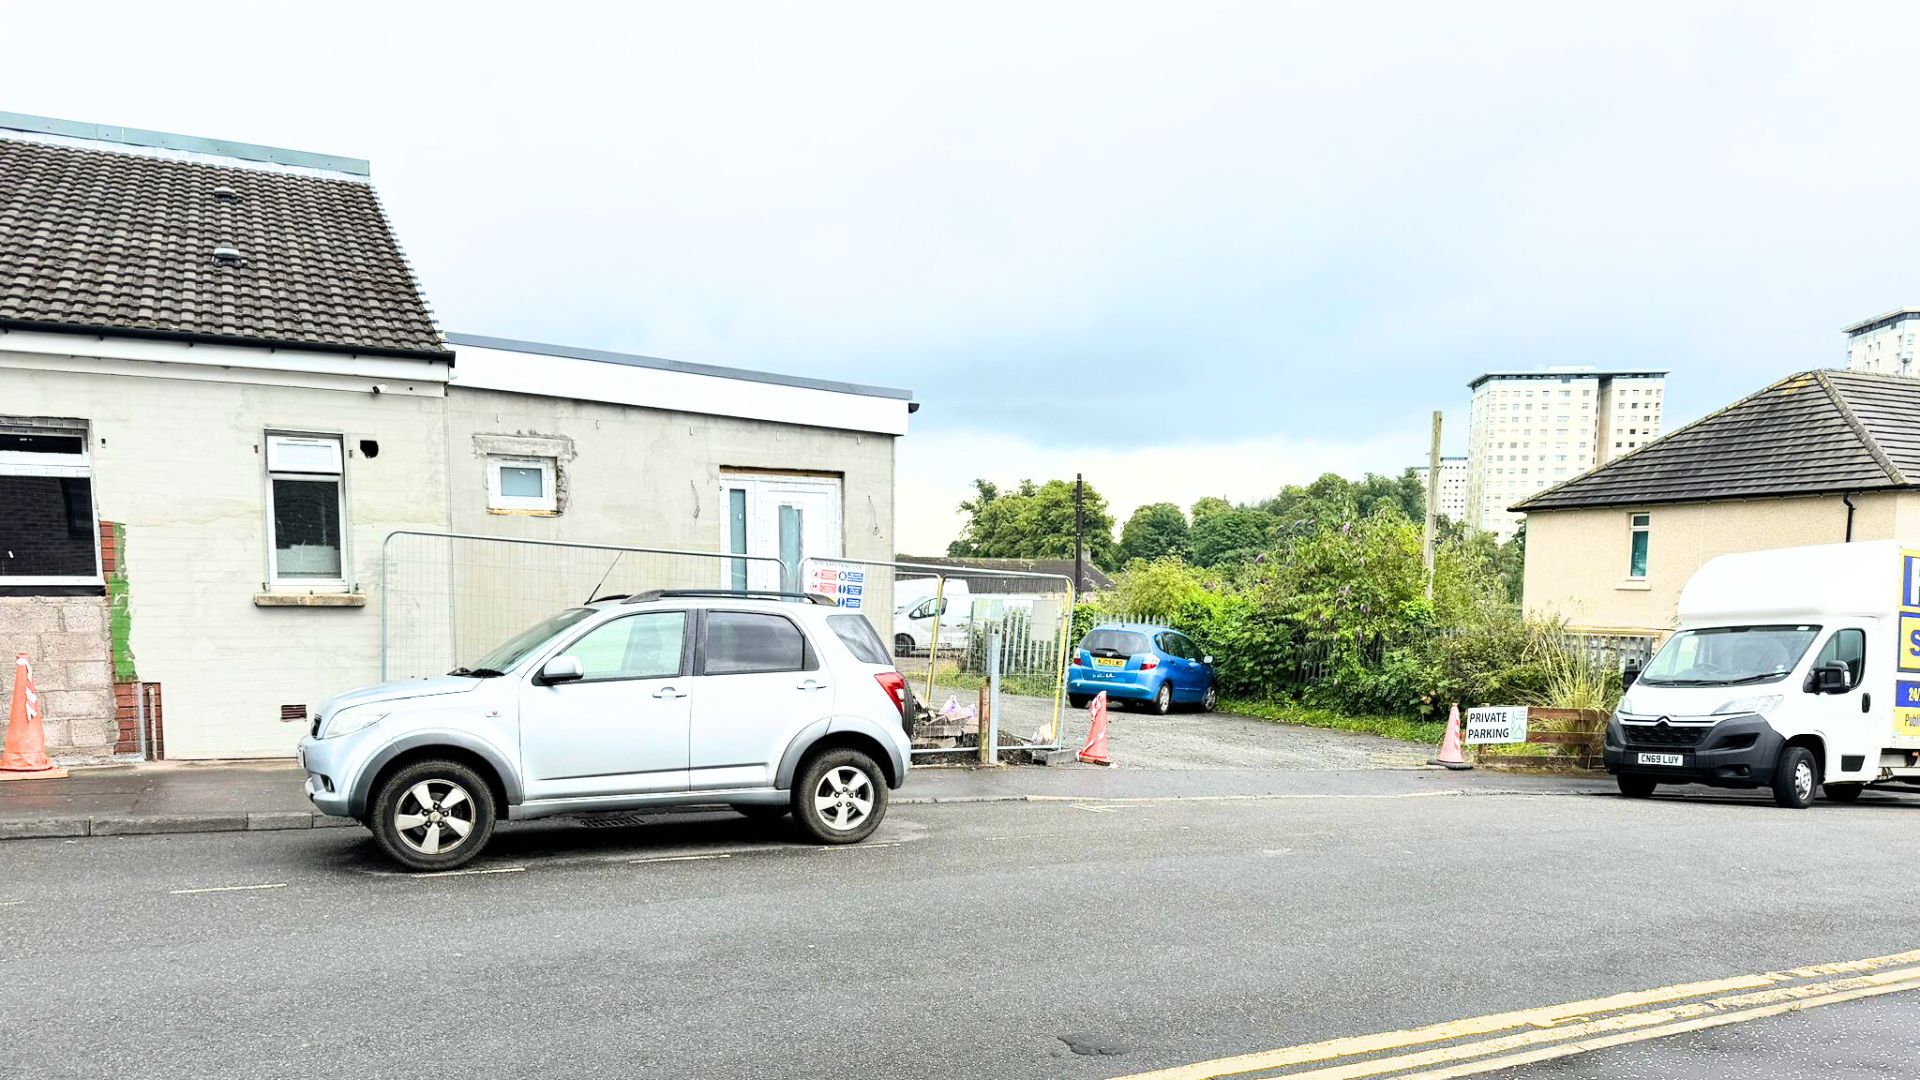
1190 740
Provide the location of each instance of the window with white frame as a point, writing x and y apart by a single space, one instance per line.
521 483
305 511
48 528
1639 530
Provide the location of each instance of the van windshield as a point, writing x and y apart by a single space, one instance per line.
1728 655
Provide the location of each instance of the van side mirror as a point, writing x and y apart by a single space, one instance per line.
1832 677
1629 672
562 669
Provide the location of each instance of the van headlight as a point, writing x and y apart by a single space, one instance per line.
1761 705
348 721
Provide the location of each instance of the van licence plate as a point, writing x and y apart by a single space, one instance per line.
1108 661
1663 759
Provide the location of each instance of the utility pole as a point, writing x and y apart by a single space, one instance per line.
1079 534
1433 496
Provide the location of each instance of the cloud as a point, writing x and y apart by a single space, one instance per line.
936 470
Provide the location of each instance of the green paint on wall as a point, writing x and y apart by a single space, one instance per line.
119 617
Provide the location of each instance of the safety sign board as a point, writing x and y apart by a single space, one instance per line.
1504 724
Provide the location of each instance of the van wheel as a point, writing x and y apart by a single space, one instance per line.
1637 787
840 797
1842 792
433 815
902 645
1795 778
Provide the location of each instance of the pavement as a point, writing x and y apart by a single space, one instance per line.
1075 938
1239 757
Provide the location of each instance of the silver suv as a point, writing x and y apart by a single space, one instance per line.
770 703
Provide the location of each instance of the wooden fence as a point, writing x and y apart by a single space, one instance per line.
1558 740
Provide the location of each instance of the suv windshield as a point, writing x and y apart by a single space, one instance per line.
1115 643
1726 655
517 647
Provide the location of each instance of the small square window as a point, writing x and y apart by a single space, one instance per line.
523 484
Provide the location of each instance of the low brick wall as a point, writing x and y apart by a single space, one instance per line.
66 638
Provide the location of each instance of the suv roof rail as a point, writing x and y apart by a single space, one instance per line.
743 594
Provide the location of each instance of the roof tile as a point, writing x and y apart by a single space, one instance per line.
112 240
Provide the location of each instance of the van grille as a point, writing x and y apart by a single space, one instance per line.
1664 734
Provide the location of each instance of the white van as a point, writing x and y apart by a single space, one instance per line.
1793 669
914 609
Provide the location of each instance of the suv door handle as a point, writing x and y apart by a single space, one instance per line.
668 692
811 684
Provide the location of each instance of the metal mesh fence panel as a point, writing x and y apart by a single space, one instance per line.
446 599
940 623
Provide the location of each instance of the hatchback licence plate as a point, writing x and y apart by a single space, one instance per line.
1108 661
1663 759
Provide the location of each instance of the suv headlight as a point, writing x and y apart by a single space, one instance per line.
348 721
1761 705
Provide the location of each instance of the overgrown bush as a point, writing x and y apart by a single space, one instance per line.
1341 619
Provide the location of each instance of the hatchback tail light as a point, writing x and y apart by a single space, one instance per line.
895 684
1149 663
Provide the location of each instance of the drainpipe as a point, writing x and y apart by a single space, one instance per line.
1847 497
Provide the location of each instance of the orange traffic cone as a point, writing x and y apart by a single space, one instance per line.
24 756
1450 752
1095 752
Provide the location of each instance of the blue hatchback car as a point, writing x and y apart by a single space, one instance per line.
1141 662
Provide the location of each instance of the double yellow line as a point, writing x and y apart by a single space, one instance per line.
1484 1044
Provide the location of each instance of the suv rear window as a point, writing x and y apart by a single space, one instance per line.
1115 643
860 639
742 642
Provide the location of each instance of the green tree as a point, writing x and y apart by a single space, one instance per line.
1034 522
1235 535
1154 531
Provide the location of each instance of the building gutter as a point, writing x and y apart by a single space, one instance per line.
194 338
1847 497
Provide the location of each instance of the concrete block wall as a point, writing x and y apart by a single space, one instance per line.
66 639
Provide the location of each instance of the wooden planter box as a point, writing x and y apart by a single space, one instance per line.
1572 739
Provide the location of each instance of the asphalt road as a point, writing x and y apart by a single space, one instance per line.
1867 1040
994 940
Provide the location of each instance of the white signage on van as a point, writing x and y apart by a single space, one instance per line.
1505 724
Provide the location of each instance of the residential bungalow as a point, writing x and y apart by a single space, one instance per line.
1819 457
222 394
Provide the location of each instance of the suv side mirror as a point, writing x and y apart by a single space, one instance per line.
1832 677
562 669
1629 672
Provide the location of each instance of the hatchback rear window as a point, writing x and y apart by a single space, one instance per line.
1115 643
859 637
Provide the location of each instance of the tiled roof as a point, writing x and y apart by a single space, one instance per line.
1811 433
127 241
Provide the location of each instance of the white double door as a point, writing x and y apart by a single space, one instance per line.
791 518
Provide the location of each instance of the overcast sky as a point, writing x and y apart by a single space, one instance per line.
1185 248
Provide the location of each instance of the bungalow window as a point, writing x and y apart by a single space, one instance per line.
517 483
304 511
1638 528
48 530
